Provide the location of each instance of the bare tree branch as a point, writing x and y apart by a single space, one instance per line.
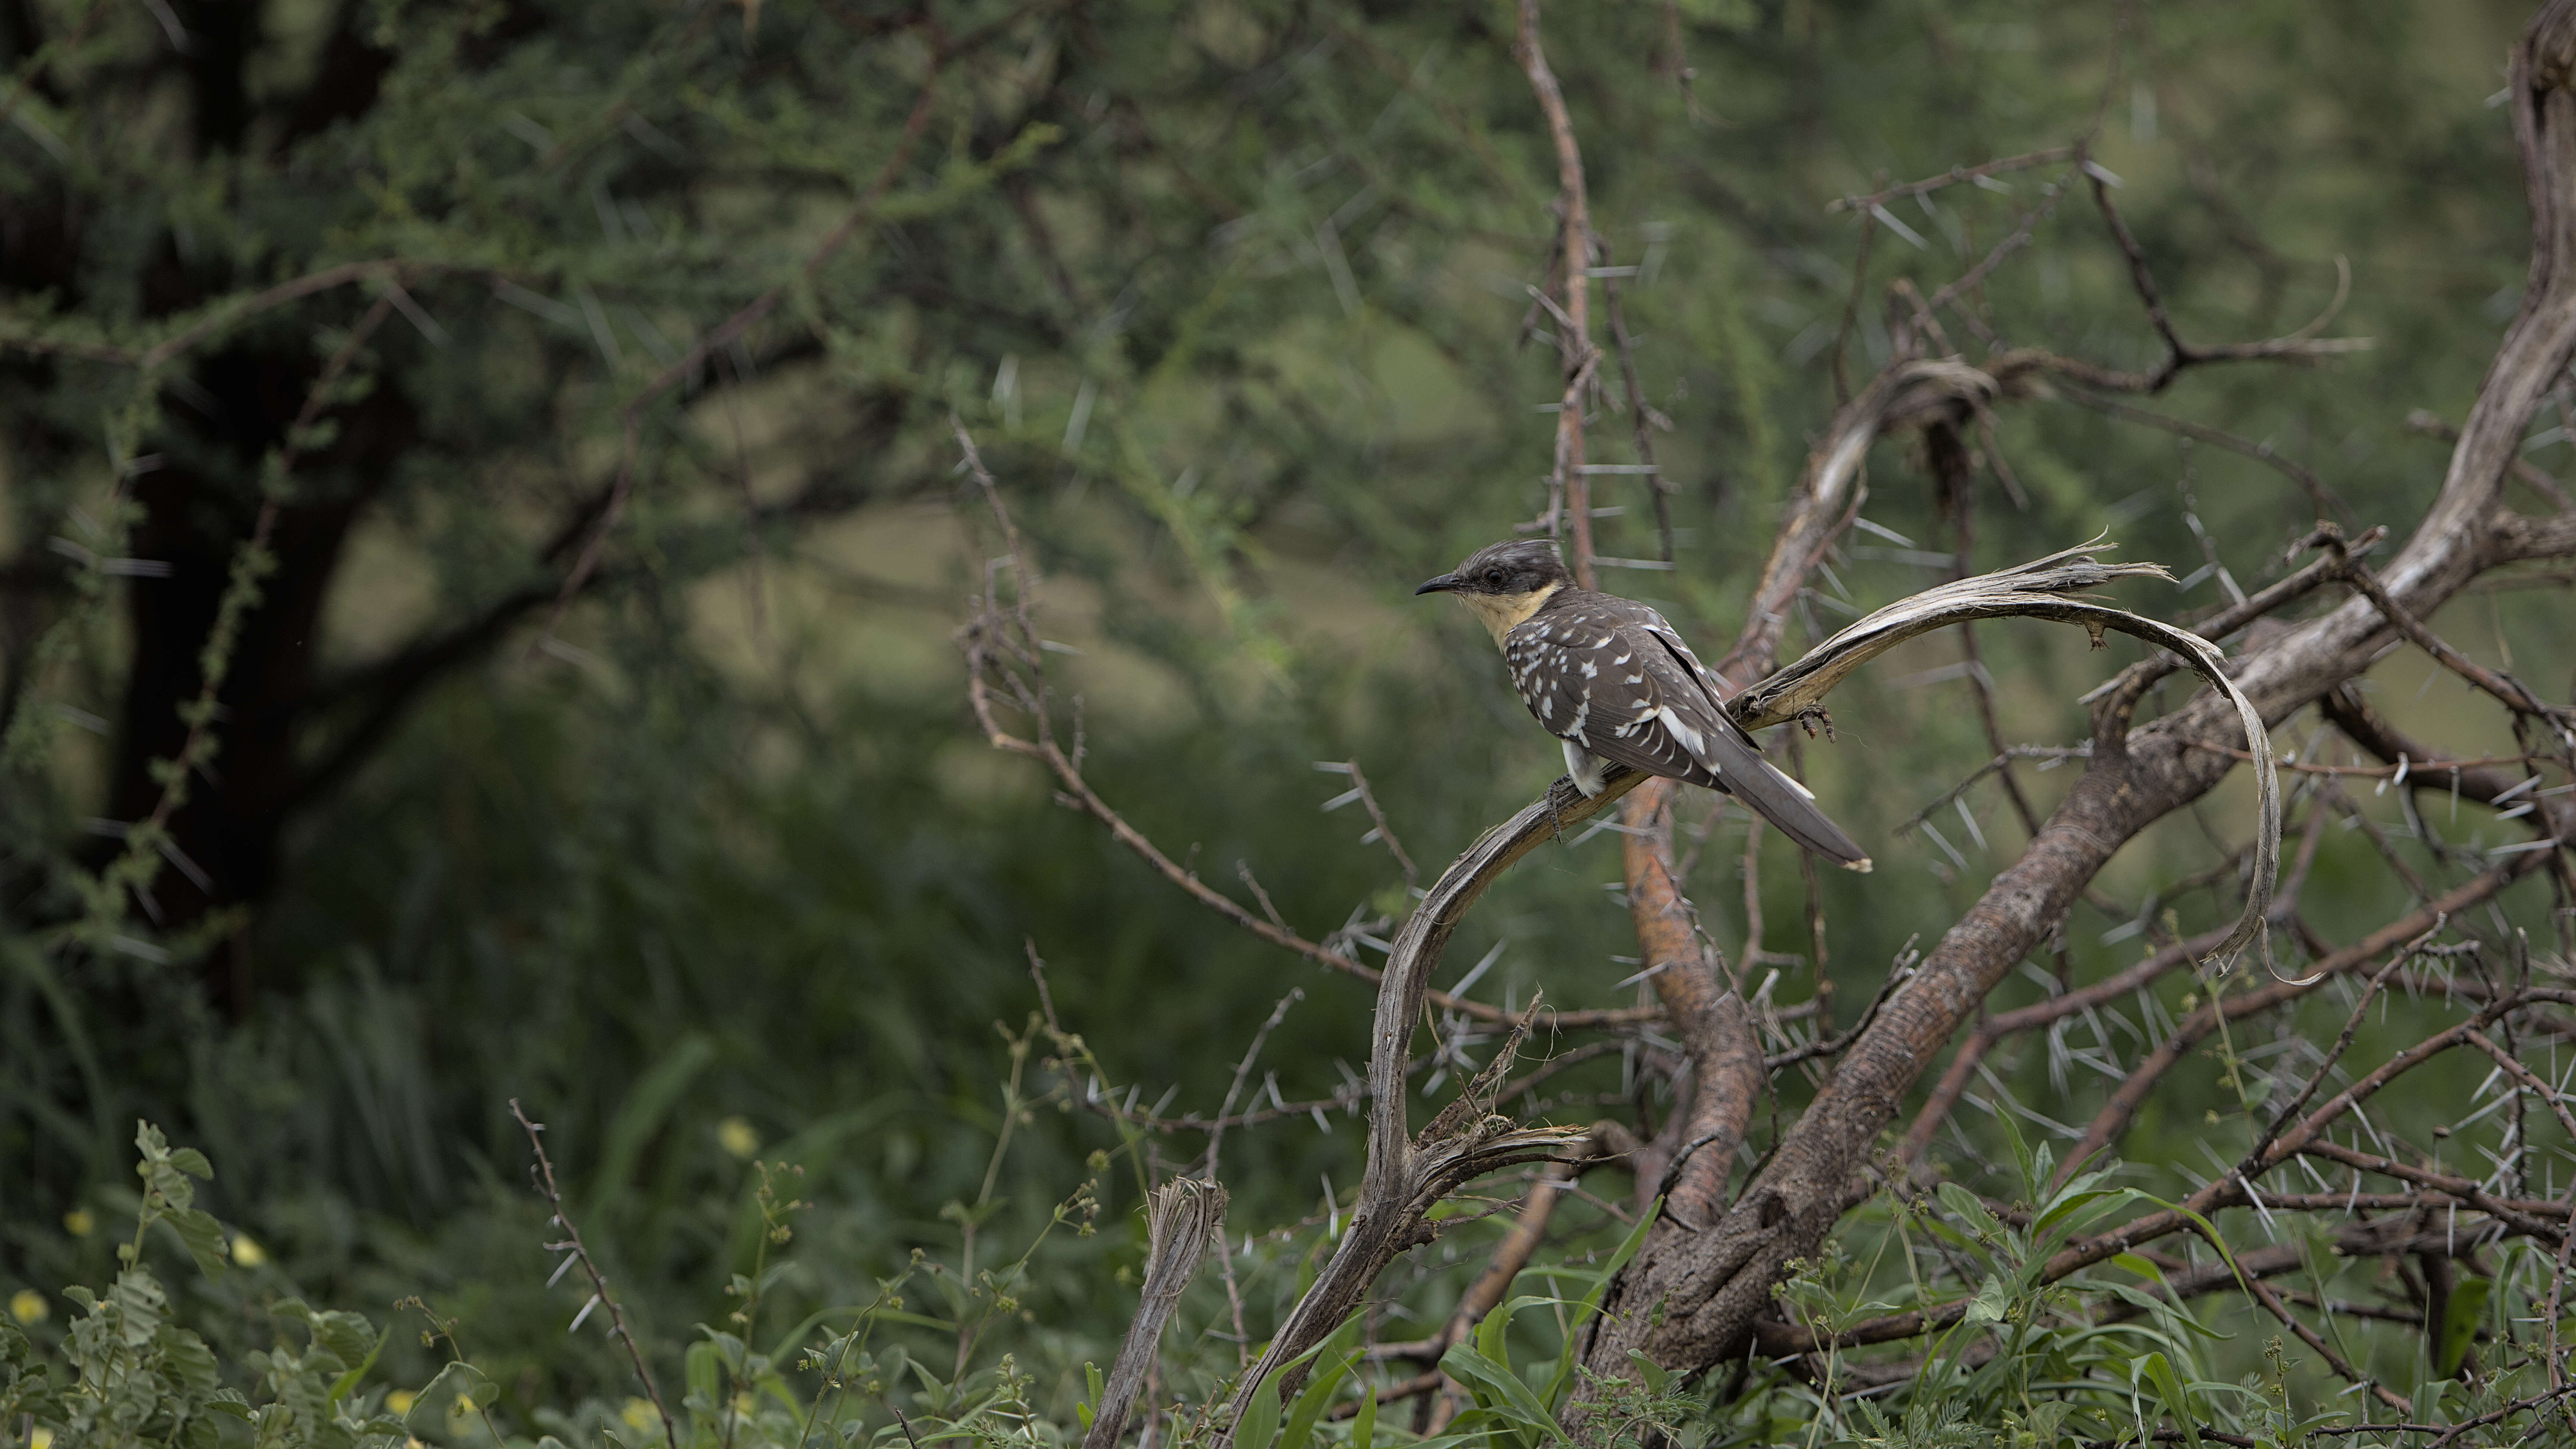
1574 341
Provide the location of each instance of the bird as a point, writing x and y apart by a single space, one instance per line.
1612 680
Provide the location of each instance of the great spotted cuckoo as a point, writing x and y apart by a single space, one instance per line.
1612 680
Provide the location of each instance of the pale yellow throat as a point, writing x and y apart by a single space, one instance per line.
1501 613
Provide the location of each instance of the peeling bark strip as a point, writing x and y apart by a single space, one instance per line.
1690 1303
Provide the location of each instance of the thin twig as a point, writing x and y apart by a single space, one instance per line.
2324 497
1643 419
1956 175
543 1174
1383 833
1575 260
1243 1069
2303 343
2507 690
251 563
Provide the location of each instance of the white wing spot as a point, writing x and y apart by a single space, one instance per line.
1690 738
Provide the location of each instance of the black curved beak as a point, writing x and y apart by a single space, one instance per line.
1441 585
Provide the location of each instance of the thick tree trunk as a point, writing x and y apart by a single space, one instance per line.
226 834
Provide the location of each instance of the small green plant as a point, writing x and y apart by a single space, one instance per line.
130 1374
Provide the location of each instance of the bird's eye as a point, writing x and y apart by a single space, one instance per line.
1494 577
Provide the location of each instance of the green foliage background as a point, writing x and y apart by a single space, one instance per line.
1231 295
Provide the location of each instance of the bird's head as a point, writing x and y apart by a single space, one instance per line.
1504 583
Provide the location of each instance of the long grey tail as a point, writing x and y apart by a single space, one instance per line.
1777 798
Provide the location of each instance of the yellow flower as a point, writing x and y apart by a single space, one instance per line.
247 1253
739 1137
29 1306
414 1443
78 1222
43 1438
638 1414
400 1401
464 1404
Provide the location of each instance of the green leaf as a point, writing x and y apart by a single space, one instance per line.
349 1337
704 1371
1339 1351
2159 1308
917 1320
2140 1266
1964 1205
2158 1369
1364 1423
2031 1181
204 1238
1990 1303
187 1359
1498 1388
341 1386
192 1162
1491 1333
1563 1379
1260 1417
2460 1320
644 1111
2075 1195
2046 1417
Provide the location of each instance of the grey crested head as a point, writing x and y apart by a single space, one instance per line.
1503 584
1515 568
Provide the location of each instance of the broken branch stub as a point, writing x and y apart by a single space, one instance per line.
1184 1218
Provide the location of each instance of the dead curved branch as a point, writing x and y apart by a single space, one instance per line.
1409 1173
2036 590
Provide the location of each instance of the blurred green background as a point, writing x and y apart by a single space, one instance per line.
1232 296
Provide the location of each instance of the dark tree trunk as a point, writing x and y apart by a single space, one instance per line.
226 834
